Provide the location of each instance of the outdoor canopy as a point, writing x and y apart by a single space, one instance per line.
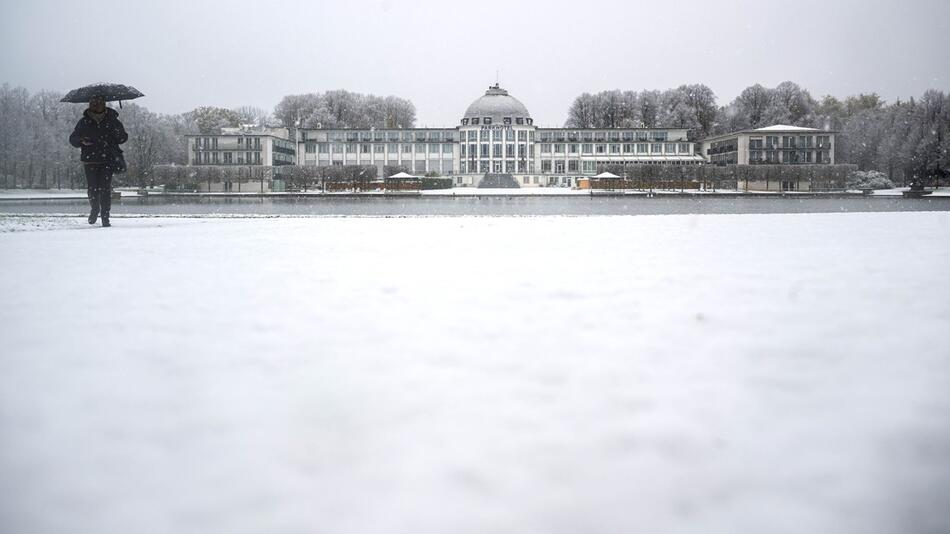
403 175
110 92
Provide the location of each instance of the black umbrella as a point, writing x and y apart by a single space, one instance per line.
109 92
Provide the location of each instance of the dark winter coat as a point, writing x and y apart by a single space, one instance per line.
106 136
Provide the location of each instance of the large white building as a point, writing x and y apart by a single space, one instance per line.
268 147
497 137
773 145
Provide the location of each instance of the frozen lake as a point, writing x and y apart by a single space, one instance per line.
535 205
688 374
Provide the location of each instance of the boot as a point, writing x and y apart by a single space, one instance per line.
105 219
93 214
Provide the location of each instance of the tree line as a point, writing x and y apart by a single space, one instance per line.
903 139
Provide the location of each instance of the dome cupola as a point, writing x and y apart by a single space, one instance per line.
498 107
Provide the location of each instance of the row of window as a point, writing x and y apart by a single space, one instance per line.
613 148
476 121
243 143
392 136
595 136
497 135
230 158
789 156
380 148
790 141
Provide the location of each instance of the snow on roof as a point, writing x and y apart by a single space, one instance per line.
403 175
606 175
786 128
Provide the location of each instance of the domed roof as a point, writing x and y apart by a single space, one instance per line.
497 104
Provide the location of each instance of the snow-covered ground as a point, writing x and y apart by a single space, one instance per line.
700 374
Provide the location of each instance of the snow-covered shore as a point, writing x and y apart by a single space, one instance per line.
707 374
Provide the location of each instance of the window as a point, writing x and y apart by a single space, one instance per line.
486 120
497 167
464 122
545 166
472 135
420 148
522 135
572 149
447 148
684 148
545 148
407 149
484 152
642 148
463 151
475 121
507 120
572 166
656 148
496 150
587 148
379 148
519 120
559 148
627 148
510 150
522 151
601 149
435 149
614 148
310 148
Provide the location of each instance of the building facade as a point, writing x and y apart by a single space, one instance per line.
772 145
268 147
497 136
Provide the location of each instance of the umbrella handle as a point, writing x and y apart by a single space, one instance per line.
120 104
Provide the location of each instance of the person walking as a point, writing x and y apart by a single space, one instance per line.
98 134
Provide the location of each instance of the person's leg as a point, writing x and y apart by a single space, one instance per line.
105 195
92 191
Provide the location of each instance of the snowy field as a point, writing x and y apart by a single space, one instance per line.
668 374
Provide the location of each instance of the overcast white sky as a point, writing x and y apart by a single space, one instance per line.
442 55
